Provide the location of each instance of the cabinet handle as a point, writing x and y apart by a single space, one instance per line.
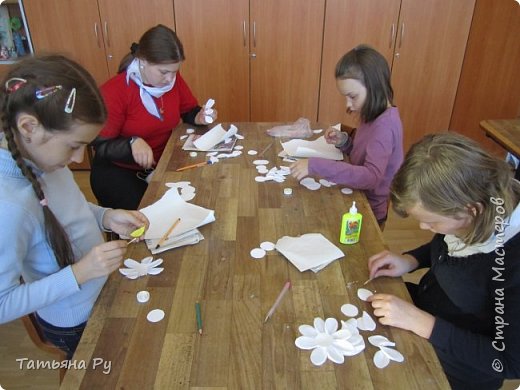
402 34
106 34
254 34
392 36
97 35
244 32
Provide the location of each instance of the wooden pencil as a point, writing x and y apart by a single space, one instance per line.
165 237
201 164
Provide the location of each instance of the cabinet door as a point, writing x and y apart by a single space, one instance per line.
216 45
430 47
286 40
71 28
349 23
124 21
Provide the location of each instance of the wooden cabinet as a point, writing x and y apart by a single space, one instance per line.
424 42
259 59
97 34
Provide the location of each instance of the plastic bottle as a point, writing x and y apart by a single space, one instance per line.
350 226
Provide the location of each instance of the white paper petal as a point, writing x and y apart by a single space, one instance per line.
379 341
346 191
304 342
381 360
252 152
335 355
155 271
366 322
342 334
331 325
257 253
349 310
319 356
131 263
307 330
319 324
344 345
155 315
392 354
363 294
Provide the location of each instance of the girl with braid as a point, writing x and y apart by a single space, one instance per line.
53 259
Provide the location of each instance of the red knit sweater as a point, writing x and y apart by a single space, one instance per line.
128 117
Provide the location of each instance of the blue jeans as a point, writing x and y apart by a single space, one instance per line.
66 339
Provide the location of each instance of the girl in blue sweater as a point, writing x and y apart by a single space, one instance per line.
53 259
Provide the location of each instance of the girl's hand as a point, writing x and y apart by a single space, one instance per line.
142 153
124 222
386 263
335 136
300 169
200 118
394 311
100 261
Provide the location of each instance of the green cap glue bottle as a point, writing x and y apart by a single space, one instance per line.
350 226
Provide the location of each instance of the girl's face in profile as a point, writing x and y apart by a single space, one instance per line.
354 92
159 75
52 150
456 225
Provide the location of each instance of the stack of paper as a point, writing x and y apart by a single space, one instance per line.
316 148
209 141
310 251
163 213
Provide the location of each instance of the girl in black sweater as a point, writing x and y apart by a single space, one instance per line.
468 303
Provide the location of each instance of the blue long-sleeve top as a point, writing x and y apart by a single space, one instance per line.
24 251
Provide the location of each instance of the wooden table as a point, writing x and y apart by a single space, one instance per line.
237 350
505 132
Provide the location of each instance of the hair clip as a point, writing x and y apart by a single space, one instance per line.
14 83
71 101
44 92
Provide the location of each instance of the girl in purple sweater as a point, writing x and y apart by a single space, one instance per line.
376 151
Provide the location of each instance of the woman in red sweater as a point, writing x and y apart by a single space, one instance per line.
145 101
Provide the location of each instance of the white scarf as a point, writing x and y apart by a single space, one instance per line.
457 248
146 92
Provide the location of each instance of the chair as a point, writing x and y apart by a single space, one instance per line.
36 335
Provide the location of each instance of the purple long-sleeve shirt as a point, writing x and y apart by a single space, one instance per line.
376 153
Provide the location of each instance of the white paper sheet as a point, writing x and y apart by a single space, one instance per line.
310 251
316 148
216 135
166 210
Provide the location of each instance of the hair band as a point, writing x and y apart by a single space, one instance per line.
14 83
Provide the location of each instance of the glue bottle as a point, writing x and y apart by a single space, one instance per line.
350 226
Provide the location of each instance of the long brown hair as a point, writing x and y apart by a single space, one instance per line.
158 45
447 173
371 69
20 94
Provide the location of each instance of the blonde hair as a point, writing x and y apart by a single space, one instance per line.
447 174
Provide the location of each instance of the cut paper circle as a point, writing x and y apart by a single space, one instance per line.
317 131
239 136
208 119
349 310
346 191
252 152
363 294
143 296
326 183
239 147
190 131
183 137
257 253
261 162
392 354
155 315
193 154
261 179
267 246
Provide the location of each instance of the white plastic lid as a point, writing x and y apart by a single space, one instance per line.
353 209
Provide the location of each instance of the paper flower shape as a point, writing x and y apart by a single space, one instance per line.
327 341
385 354
146 267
